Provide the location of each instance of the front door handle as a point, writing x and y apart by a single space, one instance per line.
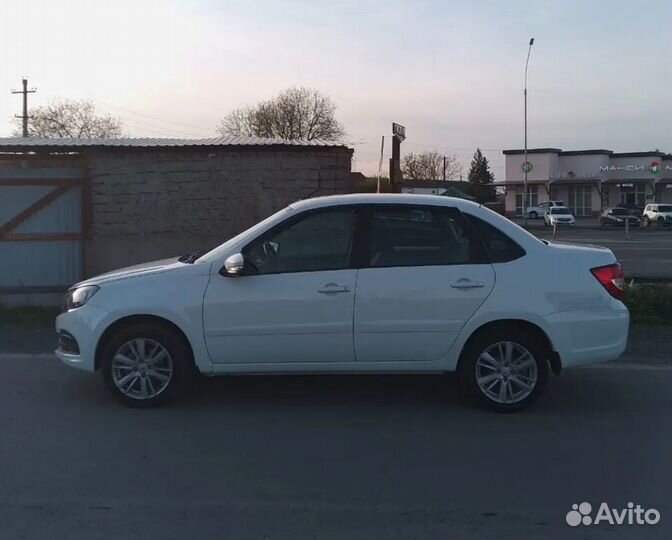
465 283
333 288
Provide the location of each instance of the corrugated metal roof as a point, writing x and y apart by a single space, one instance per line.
8 143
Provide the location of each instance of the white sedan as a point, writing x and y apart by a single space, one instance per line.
559 215
355 284
536 211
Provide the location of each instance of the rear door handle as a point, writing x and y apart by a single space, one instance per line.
333 288
465 283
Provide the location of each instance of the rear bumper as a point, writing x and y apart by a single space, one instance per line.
589 336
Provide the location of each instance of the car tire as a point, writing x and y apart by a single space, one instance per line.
660 222
646 221
534 215
145 364
483 380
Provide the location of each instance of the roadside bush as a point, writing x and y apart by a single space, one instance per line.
650 303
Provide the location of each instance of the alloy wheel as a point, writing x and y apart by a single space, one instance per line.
142 368
506 372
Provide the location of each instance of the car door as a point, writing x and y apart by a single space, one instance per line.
426 273
294 301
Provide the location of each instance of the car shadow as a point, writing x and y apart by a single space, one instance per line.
573 392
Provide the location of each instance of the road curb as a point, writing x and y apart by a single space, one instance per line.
27 356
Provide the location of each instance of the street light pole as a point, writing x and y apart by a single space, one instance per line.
525 165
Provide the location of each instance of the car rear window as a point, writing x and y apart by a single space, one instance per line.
500 247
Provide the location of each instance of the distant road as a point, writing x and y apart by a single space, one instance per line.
648 253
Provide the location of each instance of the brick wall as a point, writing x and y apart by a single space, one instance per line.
157 203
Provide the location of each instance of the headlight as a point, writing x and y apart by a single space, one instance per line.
75 298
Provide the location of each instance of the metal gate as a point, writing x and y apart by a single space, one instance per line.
41 230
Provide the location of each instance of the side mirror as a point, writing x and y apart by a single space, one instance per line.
234 265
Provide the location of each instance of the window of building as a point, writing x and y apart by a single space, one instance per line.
581 200
633 195
532 198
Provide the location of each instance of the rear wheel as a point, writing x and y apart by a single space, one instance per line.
534 215
660 222
504 368
145 364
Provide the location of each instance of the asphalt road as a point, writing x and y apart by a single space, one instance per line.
648 253
330 457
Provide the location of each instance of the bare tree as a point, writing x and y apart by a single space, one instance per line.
429 166
296 113
70 118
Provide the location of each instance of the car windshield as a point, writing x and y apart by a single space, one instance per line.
665 207
620 212
562 211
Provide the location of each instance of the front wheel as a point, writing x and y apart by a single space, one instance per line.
647 221
534 215
505 368
145 364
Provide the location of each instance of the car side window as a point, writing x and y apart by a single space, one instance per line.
408 235
500 247
321 240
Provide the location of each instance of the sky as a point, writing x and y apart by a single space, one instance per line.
450 71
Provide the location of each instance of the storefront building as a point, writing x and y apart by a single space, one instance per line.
587 180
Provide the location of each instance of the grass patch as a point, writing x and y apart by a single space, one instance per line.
28 316
650 303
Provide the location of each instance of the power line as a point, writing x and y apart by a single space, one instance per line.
25 93
163 130
155 118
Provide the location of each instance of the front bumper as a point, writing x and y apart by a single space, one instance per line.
84 326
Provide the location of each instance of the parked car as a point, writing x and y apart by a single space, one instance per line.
537 211
355 284
634 208
618 216
660 214
560 215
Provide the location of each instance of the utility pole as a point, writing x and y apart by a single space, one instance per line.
526 167
380 162
444 168
25 93
398 135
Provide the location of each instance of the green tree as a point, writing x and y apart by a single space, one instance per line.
481 178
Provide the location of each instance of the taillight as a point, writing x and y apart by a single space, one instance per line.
611 278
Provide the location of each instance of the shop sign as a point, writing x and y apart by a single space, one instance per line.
654 168
526 166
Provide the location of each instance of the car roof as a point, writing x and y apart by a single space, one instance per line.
384 198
